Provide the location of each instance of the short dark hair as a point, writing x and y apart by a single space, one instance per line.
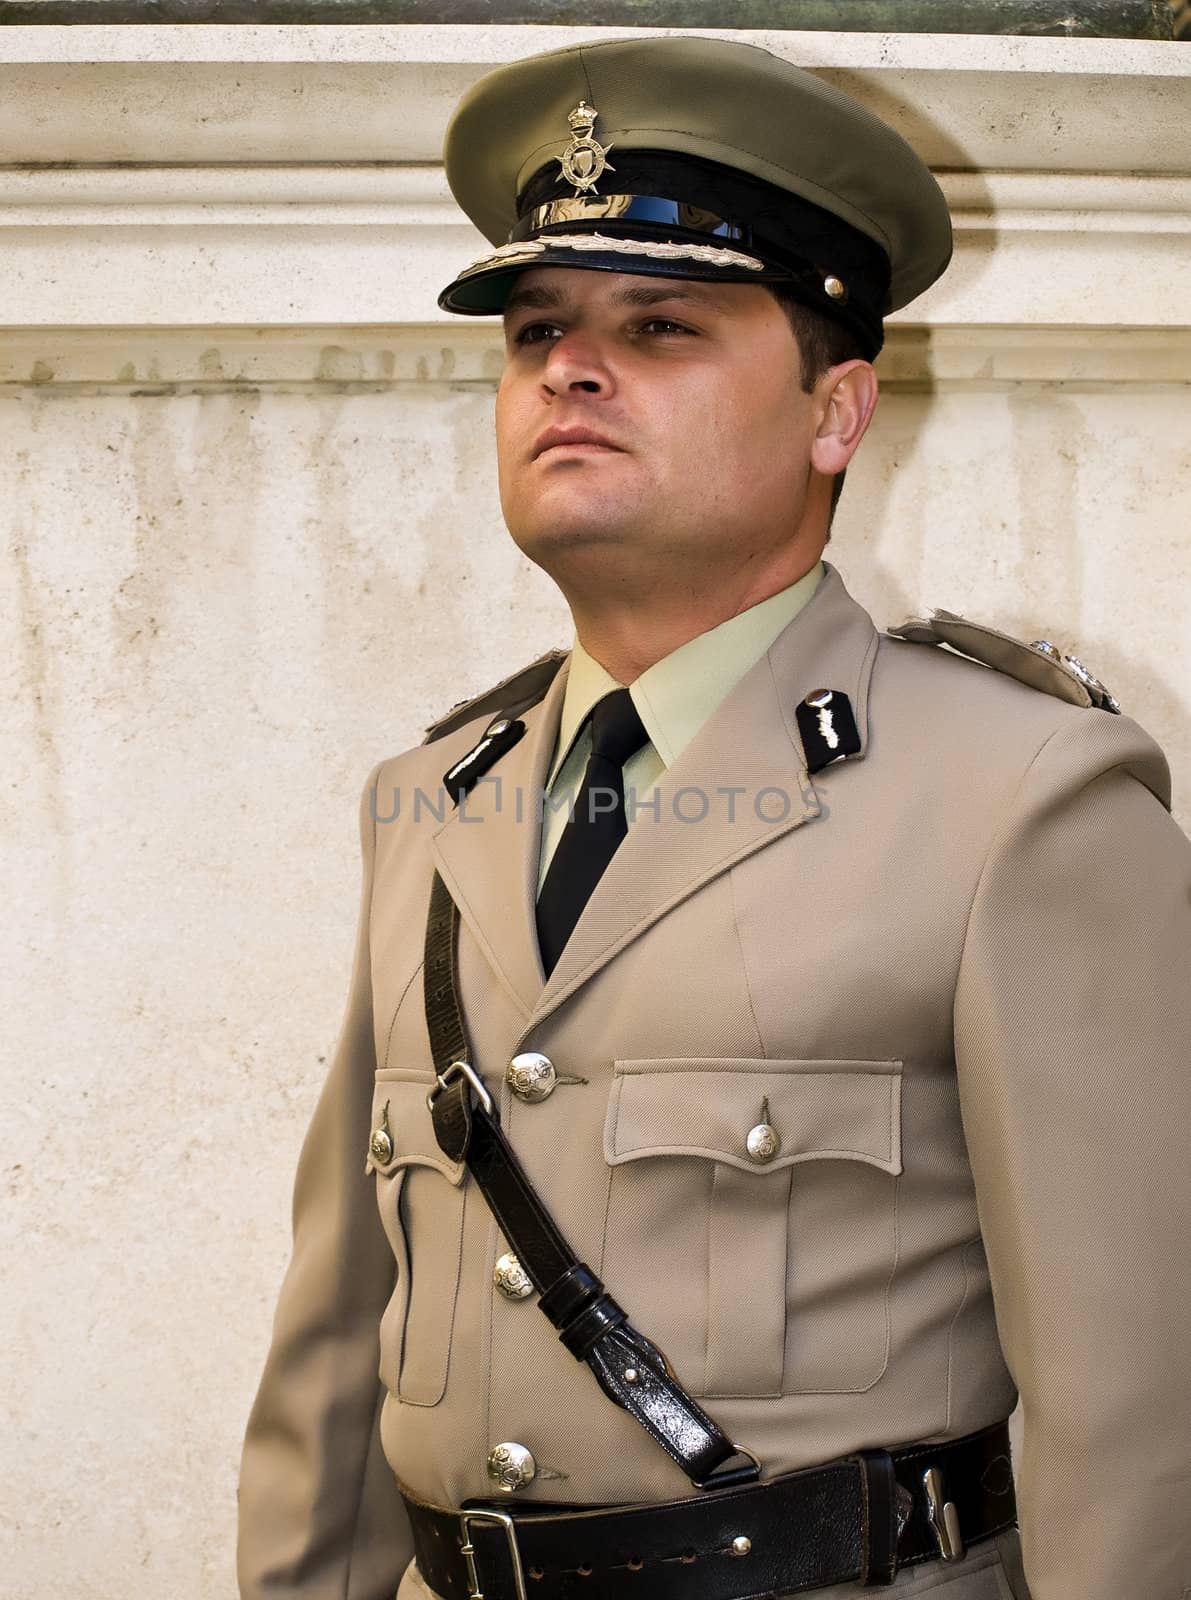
822 343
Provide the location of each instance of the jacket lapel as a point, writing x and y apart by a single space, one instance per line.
750 745
487 852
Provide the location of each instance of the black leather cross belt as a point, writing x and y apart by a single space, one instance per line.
857 1520
630 1369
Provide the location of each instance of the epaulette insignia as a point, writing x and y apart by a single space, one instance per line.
1041 664
511 696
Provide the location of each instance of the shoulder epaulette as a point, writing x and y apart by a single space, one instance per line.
1041 664
511 696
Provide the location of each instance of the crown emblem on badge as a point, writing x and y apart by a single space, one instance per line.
585 159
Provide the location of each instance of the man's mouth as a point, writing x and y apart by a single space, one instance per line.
581 439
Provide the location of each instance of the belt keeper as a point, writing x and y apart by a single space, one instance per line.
882 1527
567 1296
590 1326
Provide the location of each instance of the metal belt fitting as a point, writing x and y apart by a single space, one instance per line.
942 1516
505 1521
460 1069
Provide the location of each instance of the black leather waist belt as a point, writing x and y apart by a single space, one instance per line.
856 1520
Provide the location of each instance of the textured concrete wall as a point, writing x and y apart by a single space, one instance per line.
242 564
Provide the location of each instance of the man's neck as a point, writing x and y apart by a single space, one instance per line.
628 639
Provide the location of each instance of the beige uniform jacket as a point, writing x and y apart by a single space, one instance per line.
956 968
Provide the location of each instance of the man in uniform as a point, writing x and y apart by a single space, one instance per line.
834 1046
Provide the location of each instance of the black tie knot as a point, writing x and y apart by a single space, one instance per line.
617 732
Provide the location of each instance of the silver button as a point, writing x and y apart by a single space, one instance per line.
380 1147
497 727
835 287
763 1143
511 1467
511 1278
531 1077
741 1545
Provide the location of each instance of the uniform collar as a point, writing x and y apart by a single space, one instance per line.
675 697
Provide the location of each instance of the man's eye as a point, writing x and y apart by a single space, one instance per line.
663 325
536 333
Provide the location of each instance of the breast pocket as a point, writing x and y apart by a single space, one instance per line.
752 1218
421 1199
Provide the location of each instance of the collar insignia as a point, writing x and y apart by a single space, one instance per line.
501 734
827 727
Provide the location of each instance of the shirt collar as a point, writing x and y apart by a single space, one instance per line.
676 696
587 683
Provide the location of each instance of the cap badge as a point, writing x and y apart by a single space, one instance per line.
585 160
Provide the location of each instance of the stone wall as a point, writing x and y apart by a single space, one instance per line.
254 544
1120 19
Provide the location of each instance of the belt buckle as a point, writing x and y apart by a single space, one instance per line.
505 1521
444 1080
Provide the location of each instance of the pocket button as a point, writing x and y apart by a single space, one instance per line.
763 1143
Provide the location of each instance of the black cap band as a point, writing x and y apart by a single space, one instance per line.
603 210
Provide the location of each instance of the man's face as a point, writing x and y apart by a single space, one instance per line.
648 425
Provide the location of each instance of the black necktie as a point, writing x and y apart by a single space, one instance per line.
596 826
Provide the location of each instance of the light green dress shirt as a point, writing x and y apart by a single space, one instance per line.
674 698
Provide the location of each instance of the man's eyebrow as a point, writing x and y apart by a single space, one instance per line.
700 293
539 297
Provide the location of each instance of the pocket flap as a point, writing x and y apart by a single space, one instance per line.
399 1110
842 1110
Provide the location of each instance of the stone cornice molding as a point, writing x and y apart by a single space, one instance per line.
320 245
204 94
286 176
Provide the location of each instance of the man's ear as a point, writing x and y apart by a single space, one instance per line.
848 396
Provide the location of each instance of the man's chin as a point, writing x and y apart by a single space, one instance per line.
572 539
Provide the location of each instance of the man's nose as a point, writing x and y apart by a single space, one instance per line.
577 363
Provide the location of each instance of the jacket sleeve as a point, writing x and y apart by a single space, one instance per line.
1073 1048
319 1513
